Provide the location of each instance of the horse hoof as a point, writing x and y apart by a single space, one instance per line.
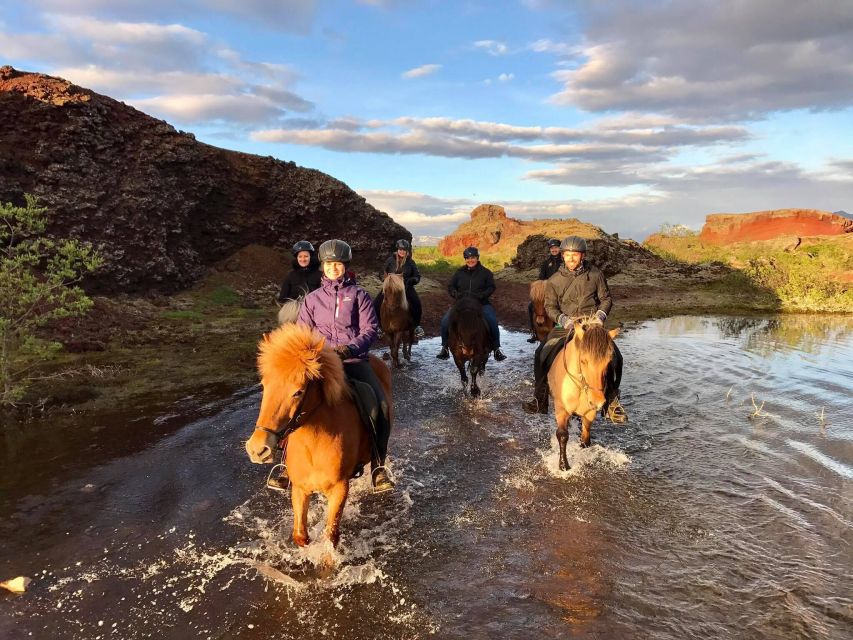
300 540
564 465
475 393
584 445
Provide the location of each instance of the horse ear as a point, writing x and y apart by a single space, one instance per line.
266 337
580 328
614 332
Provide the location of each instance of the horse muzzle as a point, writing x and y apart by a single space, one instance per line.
260 447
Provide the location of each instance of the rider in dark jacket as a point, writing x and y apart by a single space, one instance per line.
578 289
305 275
401 262
478 282
548 269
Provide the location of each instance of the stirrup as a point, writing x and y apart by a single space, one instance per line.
419 332
388 485
616 412
276 484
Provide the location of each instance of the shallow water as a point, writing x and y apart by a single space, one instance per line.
703 517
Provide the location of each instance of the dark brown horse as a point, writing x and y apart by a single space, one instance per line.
469 340
578 378
395 317
542 324
307 399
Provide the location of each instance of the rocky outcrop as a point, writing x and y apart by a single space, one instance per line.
724 228
489 224
161 206
607 252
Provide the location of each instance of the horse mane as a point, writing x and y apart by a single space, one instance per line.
596 343
395 290
297 354
289 311
537 292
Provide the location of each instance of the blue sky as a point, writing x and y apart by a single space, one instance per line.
625 114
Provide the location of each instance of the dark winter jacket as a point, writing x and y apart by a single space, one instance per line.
479 283
577 293
409 270
550 266
342 312
300 281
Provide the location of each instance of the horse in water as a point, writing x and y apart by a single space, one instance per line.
395 318
306 398
578 378
542 324
469 340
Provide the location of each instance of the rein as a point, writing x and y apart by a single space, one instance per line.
295 422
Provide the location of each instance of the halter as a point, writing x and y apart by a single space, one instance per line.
295 422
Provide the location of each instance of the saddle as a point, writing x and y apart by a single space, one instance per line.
551 349
365 400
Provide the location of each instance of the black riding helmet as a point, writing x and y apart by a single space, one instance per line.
403 244
573 243
471 252
335 251
553 242
302 245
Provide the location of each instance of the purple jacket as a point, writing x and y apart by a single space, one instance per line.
342 312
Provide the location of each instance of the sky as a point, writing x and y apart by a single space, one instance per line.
629 115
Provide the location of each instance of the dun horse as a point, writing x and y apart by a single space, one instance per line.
542 324
577 379
395 318
469 340
307 399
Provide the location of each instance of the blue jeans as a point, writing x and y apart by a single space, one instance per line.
491 320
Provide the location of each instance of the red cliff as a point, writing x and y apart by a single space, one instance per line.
726 228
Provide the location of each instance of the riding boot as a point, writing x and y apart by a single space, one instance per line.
499 355
378 473
282 482
532 339
444 354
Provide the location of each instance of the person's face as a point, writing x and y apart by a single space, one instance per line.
333 270
471 262
303 258
554 250
572 259
402 253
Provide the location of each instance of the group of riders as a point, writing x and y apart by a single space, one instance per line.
344 313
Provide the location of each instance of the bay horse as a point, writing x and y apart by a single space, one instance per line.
307 399
395 317
469 340
577 380
542 324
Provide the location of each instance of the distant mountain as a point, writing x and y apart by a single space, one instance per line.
161 206
727 228
843 213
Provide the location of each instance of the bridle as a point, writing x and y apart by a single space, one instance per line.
580 380
295 421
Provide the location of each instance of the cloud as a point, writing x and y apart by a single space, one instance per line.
707 61
506 77
492 47
189 109
423 70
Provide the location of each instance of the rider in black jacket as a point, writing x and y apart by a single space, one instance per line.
305 276
401 262
548 269
476 281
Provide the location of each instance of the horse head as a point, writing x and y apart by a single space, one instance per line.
298 374
595 351
394 291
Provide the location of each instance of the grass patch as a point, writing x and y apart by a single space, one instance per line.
183 314
224 296
430 260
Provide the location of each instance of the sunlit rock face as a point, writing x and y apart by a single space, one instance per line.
162 206
724 228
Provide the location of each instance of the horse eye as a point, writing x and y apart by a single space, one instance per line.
298 393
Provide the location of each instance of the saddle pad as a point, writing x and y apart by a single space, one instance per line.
550 350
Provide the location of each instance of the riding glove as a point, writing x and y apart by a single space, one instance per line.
343 351
601 315
563 320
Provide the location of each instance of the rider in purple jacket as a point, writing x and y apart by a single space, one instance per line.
343 312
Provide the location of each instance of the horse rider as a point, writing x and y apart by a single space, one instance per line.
401 262
476 281
342 312
578 289
305 275
546 270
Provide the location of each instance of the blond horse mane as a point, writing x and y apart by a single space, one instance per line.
394 290
297 354
537 292
595 341
289 311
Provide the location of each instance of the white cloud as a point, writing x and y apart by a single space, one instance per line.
420 72
492 47
506 77
188 109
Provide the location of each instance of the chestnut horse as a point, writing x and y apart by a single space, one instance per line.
469 340
577 380
307 399
395 318
542 324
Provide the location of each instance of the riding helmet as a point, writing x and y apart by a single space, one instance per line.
302 245
471 252
553 242
403 244
335 251
573 243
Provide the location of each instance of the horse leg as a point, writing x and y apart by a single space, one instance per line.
461 366
586 423
407 344
337 497
562 435
475 369
299 499
395 349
